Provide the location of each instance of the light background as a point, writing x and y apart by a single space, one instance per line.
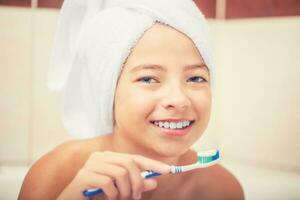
256 106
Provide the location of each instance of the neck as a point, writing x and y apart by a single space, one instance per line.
126 145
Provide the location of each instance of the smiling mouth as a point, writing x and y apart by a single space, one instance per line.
180 125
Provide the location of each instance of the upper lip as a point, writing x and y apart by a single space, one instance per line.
172 120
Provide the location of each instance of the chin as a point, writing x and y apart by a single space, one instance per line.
171 150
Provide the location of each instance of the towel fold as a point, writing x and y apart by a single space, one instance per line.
93 40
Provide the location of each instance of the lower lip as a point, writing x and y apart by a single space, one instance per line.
174 132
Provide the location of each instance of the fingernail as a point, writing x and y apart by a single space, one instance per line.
137 196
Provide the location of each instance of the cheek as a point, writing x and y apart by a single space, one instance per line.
142 100
132 105
203 106
202 99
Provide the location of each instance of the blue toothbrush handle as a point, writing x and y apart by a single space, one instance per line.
96 191
151 174
92 192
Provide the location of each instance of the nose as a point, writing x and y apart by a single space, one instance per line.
175 97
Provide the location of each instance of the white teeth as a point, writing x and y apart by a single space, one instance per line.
188 123
173 125
166 125
161 124
179 125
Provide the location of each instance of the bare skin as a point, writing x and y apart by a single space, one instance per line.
49 180
163 79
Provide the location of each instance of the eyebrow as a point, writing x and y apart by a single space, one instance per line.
161 68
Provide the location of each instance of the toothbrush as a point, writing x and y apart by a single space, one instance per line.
205 159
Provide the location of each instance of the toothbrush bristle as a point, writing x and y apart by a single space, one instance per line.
208 156
204 159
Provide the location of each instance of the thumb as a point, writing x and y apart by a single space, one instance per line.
149 184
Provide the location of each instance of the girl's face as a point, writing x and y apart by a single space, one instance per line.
164 84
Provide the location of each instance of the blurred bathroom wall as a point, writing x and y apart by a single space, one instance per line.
256 104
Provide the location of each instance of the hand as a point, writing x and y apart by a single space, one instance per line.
117 174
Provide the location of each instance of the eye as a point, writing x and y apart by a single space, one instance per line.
197 79
147 79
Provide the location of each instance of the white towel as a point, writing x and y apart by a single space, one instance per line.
93 40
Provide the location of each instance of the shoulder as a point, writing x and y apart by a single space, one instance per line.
62 163
219 183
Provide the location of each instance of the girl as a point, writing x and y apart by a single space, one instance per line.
161 104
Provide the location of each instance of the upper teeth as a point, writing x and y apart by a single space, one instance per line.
173 125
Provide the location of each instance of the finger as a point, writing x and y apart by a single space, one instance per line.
125 161
136 180
123 183
150 164
94 180
136 163
117 173
145 163
149 184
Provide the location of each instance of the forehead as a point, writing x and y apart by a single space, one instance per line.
164 45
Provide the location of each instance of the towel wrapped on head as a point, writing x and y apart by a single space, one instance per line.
93 40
